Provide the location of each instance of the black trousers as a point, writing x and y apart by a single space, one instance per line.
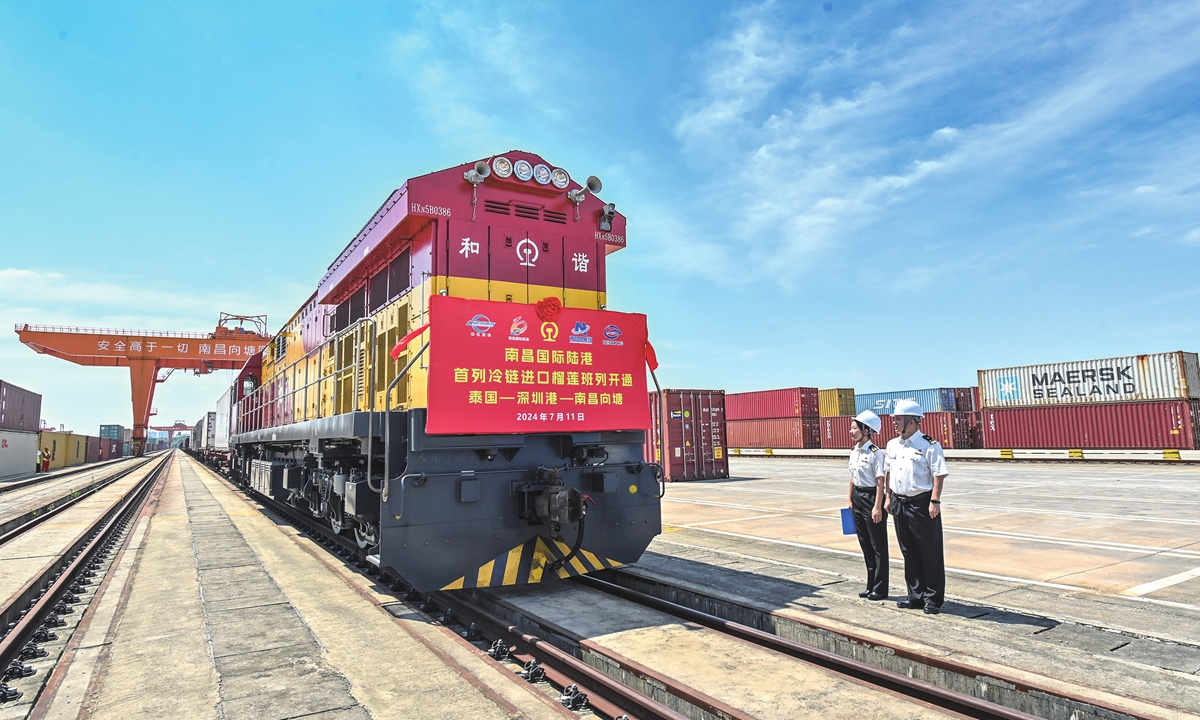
872 538
920 540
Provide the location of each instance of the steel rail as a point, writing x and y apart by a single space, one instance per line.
902 684
36 517
604 694
44 596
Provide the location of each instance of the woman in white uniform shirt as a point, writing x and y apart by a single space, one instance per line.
867 489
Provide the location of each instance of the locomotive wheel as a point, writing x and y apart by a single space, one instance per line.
338 525
366 536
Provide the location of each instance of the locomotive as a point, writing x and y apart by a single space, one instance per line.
455 393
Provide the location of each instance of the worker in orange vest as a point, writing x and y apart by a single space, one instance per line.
46 459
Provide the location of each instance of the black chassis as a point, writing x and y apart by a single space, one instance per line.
449 504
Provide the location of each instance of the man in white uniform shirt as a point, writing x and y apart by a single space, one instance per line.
867 489
916 469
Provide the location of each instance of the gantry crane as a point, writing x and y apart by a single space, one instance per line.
146 352
179 427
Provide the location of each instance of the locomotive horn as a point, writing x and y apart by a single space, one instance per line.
476 175
593 186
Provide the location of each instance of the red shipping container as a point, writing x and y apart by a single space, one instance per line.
951 429
964 399
695 430
20 409
781 433
93 449
976 398
785 403
1169 424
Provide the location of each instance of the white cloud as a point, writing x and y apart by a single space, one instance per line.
1144 189
1142 232
1192 238
945 135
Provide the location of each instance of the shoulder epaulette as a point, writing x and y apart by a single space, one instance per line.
929 439
872 447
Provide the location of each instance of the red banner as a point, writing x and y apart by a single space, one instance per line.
500 368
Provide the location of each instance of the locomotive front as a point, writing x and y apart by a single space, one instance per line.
455 392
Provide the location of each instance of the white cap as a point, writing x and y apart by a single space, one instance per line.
870 419
910 408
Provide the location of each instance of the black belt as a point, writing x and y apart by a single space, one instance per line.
872 488
914 498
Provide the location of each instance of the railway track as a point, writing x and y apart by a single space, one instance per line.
589 676
30 506
44 599
41 478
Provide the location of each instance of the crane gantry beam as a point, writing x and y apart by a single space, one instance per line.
144 352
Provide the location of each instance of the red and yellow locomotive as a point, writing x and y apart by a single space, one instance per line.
455 393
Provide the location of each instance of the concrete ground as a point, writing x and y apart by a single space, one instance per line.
217 610
1054 557
15 503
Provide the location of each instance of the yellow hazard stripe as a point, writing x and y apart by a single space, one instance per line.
484 579
512 564
456 585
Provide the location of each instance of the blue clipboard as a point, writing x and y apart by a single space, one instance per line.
848 522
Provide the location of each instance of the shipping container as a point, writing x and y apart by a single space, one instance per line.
56 443
76 446
113 432
18 452
1163 376
1169 424
964 399
953 430
930 400
221 421
109 448
776 433
976 397
20 409
694 422
126 449
92 453
783 403
835 402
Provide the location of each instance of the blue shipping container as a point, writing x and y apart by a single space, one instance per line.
930 400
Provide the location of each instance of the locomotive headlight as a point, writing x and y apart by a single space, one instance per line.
541 174
502 166
560 178
523 170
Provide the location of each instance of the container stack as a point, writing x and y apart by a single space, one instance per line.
950 417
787 418
693 422
1129 403
20 417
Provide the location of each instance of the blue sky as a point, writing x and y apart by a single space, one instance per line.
881 195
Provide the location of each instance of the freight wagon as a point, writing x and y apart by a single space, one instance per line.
513 451
1163 376
693 421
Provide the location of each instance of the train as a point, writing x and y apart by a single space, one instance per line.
456 394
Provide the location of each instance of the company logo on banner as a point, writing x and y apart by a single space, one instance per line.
579 334
481 324
484 383
517 330
1008 388
612 335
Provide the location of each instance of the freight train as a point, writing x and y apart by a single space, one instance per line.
455 393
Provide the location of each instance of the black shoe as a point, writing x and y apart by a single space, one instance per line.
864 593
909 604
931 609
874 596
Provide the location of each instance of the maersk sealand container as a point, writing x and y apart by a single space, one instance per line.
930 400
1162 376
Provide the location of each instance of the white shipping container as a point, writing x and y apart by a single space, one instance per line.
18 452
1162 376
221 429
